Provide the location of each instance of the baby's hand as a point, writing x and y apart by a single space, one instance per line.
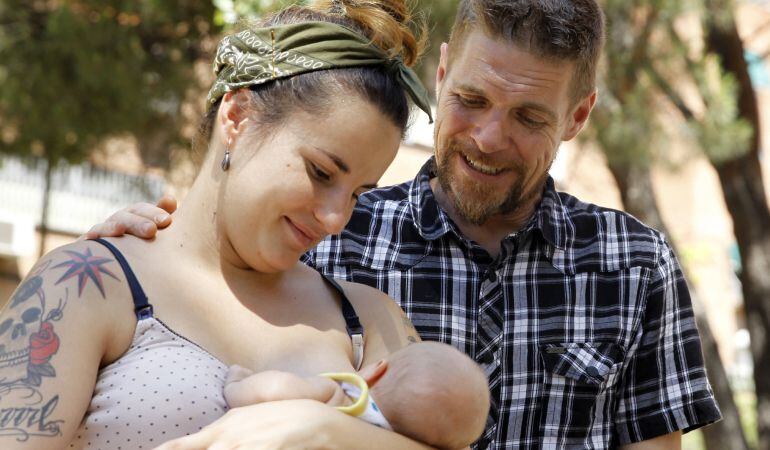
238 393
237 373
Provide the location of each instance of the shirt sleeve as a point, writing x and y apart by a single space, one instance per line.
665 388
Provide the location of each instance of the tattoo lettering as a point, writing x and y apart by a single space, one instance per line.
87 267
31 419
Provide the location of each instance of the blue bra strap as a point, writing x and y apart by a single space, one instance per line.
352 323
142 307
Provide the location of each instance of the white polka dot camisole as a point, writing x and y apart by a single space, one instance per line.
165 386
162 388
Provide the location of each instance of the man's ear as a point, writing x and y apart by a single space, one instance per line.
232 116
371 373
579 116
441 71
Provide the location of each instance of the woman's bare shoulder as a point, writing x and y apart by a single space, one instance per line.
368 297
87 278
386 325
83 269
56 330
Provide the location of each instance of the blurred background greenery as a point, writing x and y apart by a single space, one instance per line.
85 82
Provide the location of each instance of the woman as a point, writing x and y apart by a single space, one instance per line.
125 345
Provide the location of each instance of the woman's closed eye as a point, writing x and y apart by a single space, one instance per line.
321 175
318 173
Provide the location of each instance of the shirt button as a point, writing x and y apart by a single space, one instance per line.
492 276
592 371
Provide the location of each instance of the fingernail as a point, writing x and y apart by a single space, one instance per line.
147 228
160 218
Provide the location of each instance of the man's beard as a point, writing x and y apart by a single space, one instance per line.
475 202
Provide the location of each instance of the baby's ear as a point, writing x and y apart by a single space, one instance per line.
372 373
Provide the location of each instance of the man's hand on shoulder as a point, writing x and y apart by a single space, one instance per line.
142 220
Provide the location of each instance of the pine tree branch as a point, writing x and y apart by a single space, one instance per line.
669 92
683 48
639 53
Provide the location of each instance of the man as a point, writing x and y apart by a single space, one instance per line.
579 315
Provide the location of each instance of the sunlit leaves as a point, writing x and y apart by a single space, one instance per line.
75 73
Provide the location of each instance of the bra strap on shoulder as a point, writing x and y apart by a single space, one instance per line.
142 307
352 323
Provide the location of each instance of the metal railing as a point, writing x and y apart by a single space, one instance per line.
81 195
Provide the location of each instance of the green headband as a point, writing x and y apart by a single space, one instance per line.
258 56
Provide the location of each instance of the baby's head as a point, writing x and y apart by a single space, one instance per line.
433 393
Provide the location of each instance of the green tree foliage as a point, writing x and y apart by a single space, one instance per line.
720 133
75 72
647 65
438 15
648 61
714 123
743 187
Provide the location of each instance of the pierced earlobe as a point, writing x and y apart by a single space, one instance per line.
226 160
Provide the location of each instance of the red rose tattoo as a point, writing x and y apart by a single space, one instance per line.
43 344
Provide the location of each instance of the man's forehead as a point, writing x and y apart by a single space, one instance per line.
496 68
507 65
499 53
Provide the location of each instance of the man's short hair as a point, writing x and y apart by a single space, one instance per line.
560 30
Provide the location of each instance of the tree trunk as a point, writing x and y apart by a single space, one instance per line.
637 193
728 433
49 168
638 196
744 193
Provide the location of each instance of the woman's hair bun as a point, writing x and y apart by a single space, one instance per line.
388 23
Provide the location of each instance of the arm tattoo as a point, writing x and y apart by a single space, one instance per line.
411 332
28 341
86 267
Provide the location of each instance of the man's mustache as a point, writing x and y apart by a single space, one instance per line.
473 152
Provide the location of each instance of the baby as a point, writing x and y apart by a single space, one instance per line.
428 391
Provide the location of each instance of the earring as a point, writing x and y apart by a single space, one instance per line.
226 160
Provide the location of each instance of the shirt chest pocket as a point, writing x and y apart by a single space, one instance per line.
579 386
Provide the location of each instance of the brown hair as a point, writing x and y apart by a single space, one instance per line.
570 30
388 23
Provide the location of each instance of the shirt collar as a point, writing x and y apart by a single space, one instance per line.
432 222
552 218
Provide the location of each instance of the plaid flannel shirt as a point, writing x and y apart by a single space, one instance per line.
583 323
